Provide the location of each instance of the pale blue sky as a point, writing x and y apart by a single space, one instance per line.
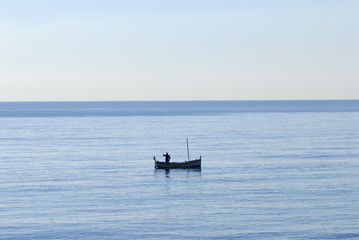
67 50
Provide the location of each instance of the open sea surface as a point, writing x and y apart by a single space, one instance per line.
270 170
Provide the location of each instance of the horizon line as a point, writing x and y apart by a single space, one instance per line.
223 100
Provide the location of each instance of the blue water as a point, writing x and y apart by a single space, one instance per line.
271 170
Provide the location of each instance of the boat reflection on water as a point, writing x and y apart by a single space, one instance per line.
189 172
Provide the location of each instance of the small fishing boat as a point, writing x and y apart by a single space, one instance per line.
172 165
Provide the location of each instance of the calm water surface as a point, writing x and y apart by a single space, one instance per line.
271 170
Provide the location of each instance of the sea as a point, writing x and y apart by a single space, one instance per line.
270 170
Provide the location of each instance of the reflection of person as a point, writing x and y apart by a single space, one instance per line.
167 157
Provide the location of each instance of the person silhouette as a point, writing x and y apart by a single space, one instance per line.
167 157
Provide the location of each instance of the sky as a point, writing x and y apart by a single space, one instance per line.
134 50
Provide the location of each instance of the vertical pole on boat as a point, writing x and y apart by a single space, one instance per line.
187 149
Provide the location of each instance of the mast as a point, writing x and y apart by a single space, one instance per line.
187 149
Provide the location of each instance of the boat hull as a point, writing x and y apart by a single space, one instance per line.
172 165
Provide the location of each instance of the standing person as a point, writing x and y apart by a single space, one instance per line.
167 157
